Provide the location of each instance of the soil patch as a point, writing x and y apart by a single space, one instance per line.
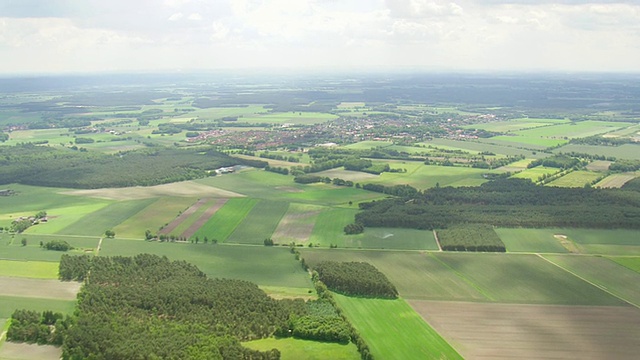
39 288
204 218
19 351
567 244
506 331
182 217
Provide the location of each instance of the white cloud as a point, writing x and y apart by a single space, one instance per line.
175 17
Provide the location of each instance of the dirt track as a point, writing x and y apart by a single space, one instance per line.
508 331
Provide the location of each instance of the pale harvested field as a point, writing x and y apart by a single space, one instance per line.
616 180
506 331
347 175
599 165
19 351
183 216
39 288
295 226
204 218
272 162
183 188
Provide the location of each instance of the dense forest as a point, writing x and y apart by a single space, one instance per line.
355 279
507 202
63 167
148 307
478 237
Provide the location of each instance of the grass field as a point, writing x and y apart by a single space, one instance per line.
329 226
368 144
476 146
11 248
423 176
295 349
302 118
535 173
415 275
626 151
156 214
385 325
191 189
514 125
575 179
60 218
39 288
530 240
191 217
29 269
8 304
260 223
95 224
297 224
632 263
31 199
270 266
607 274
524 279
222 224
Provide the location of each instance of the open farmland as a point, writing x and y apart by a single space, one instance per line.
94 224
423 176
530 240
477 146
12 248
415 275
524 279
222 224
296 349
204 218
297 224
23 351
29 269
38 288
8 304
260 222
384 325
632 263
509 331
271 266
616 180
534 174
160 212
604 273
177 189
515 124
577 178
605 242
185 220
625 151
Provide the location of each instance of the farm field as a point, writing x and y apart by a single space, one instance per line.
38 288
530 280
616 180
295 349
368 144
186 219
271 266
355 176
535 173
155 215
22 351
530 240
515 124
632 263
95 224
509 331
384 325
423 176
8 304
297 223
605 242
260 222
12 248
515 166
415 275
576 178
191 189
625 151
222 224
29 269
302 118
607 274
503 149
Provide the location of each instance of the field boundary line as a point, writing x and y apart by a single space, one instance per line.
589 282
435 235
99 246
464 278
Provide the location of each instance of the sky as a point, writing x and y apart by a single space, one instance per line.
67 36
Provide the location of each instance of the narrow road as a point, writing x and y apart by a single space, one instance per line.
99 246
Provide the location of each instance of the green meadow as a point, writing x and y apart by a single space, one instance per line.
576 179
530 240
155 215
260 222
222 224
30 269
385 325
295 349
8 304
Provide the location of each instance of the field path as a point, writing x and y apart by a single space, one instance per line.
99 246
182 217
435 236
204 218
590 282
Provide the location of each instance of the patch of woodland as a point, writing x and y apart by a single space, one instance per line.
507 203
355 279
478 238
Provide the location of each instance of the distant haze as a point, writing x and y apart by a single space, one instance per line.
61 36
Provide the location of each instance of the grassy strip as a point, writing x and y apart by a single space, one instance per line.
295 349
30 269
393 330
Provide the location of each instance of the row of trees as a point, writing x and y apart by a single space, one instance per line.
355 279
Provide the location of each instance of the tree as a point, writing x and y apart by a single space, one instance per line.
110 234
268 242
23 241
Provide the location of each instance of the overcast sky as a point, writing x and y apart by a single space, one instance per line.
51 36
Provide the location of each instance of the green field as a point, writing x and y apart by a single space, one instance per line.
626 151
423 176
186 223
415 275
477 146
295 349
260 223
632 263
393 330
8 304
329 227
515 124
575 179
607 274
222 224
61 218
11 248
95 224
31 199
368 144
534 174
271 266
30 269
158 213
530 240
526 279
301 118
